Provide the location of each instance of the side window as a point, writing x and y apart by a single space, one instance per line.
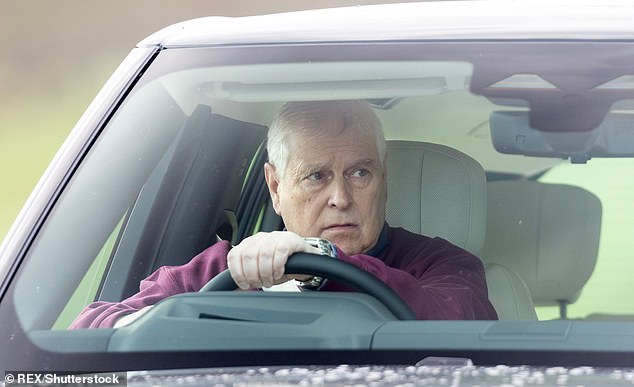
88 287
94 201
189 200
208 185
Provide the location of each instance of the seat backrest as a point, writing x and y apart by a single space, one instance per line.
509 294
435 190
547 233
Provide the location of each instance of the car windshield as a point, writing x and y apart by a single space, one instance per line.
519 152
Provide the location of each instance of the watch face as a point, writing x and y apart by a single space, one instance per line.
327 247
324 245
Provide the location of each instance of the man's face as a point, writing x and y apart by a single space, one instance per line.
334 187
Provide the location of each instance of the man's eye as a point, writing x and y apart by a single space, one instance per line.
360 173
315 176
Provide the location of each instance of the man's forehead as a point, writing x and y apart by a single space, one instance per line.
321 148
325 146
319 164
359 136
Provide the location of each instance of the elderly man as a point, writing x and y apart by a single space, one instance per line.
327 179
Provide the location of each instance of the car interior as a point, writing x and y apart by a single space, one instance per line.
548 233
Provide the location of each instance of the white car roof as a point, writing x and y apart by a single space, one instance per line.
500 19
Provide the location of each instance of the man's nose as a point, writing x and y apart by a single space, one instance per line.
340 195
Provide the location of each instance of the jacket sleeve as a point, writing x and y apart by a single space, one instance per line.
445 283
164 282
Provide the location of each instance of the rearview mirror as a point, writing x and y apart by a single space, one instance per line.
511 133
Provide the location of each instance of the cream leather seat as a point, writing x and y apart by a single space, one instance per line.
547 233
435 190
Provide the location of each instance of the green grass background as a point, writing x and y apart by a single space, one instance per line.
32 128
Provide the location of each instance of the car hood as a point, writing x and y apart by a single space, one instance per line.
428 372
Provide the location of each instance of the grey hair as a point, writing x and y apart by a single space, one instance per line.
319 117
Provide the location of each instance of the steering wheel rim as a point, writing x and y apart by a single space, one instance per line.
333 269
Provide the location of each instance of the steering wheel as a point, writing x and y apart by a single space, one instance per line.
333 269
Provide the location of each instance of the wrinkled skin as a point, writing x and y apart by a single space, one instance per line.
334 187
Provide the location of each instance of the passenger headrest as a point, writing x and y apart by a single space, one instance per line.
435 190
548 233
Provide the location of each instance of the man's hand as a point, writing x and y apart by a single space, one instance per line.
259 260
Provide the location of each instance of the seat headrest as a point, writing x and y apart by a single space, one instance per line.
435 190
548 233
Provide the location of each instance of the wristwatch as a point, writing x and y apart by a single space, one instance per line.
326 248
324 245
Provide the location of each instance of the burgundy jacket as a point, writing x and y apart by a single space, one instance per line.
438 280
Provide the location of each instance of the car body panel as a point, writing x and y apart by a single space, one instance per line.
446 20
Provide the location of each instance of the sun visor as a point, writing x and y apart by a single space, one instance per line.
511 133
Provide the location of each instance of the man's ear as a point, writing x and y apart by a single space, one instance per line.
273 182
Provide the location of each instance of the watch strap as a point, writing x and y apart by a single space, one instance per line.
326 248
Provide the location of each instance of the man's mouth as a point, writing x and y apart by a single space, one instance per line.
340 227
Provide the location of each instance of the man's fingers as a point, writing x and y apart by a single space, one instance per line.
280 257
234 263
250 264
265 269
250 269
279 266
259 260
